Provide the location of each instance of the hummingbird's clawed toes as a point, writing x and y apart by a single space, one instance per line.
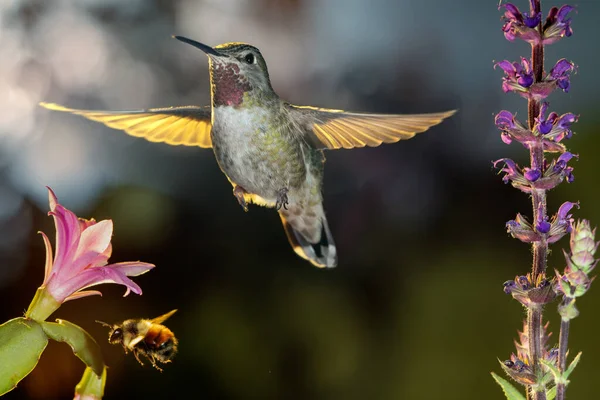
282 199
239 193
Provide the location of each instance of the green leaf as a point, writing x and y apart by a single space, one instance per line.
22 342
84 346
572 366
509 390
551 394
91 385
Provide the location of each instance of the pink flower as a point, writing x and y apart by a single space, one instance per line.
82 252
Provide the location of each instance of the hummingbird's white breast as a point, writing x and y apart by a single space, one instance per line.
254 152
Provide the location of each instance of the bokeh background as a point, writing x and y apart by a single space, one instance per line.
415 309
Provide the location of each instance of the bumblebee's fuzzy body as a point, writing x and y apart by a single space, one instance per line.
146 337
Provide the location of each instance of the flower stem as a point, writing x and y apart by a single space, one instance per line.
562 356
42 305
538 199
534 322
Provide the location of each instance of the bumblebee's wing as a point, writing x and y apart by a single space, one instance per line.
163 318
335 129
187 125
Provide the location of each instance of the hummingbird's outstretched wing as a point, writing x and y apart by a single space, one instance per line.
335 129
187 125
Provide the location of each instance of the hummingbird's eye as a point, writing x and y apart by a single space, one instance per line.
249 58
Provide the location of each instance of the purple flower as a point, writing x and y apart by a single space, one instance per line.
518 76
557 24
82 251
543 124
560 74
521 229
505 121
530 292
532 175
510 169
554 127
561 222
512 129
520 25
561 162
542 225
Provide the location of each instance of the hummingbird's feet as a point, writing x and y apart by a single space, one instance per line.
239 193
282 199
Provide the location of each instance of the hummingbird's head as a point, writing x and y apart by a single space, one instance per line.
235 70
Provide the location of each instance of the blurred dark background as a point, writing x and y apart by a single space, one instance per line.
415 309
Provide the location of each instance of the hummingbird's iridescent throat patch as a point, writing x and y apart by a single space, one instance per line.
228 84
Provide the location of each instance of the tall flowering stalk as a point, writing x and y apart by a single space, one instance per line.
541 369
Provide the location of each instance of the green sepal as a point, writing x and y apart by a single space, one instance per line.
554 370
91 386
22 342
509 390
551 393
42 305
84 346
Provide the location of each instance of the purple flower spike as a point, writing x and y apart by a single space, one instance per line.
557 25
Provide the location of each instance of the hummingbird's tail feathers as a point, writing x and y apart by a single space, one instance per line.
316 246
336 129
187 125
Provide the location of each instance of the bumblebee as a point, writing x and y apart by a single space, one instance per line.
145 337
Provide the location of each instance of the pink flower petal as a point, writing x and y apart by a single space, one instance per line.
86 223
95 238
67 231
48 267
84 293
52 199
91 250
91 277
132 268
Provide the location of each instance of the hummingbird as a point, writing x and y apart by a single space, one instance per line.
271 151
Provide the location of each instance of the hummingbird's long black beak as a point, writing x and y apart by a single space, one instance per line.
207 49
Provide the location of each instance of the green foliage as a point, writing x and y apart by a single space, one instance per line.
572 366
22 342
509 390
83 345
551 393
91 385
